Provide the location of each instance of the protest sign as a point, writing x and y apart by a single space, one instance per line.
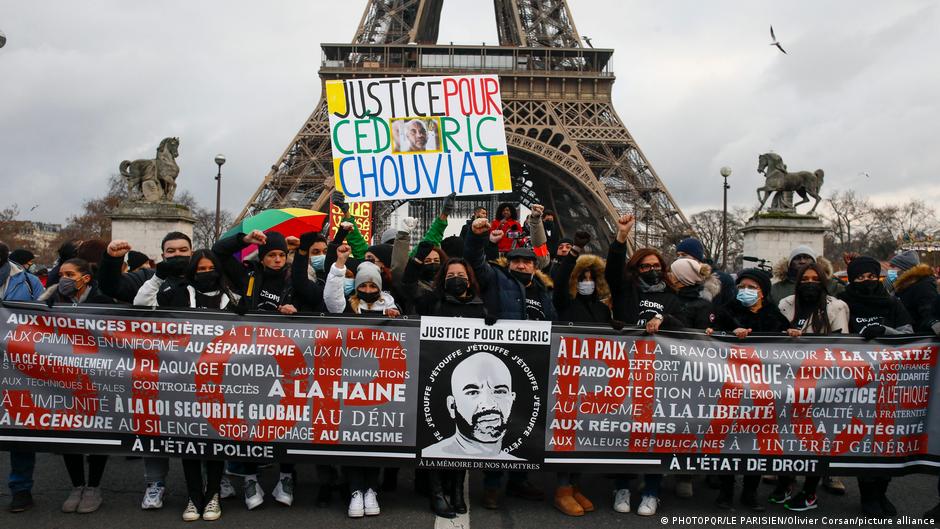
457 393
361 213
417 137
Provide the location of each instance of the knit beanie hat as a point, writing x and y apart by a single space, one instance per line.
275 241
687 271
388 236
136 259
21 256
862 264
802 250
905 260
759 276
383 252
693 247
368 273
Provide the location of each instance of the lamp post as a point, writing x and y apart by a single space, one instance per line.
725 173
219 160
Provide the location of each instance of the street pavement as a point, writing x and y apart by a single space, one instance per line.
123 487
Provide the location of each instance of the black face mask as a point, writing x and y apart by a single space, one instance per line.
177 265
868 287
271 273
456 286
428 271
206 281
809 292
521 277
368 297
651 277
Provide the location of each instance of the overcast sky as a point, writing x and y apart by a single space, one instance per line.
84 85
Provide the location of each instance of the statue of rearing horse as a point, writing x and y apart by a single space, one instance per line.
779 181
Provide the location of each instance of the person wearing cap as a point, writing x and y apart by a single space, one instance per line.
751 311
799 257
915 284
720 285
22 257
136 261
873 313
513 288
264 285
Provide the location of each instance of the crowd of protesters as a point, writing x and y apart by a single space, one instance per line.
497 269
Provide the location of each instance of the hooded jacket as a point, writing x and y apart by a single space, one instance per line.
917 290
575 307
836 311
786 286
20 285
504 296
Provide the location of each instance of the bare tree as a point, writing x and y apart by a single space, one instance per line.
11 228
707 226
204 229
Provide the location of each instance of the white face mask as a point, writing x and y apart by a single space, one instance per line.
585 288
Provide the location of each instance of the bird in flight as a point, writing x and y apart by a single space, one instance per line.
34 207
587 40
775 43
865 174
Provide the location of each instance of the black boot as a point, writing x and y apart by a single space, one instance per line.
389 479
886 505
439 503
460 506
869 496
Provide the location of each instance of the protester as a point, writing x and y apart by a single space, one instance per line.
811 310
750 312
454 292
479 212
640 296
22 257
66 251
514 289
552 233
562 248
915 285
720 285
583 298
786 272
507 223
176 248
308 273
873 313
77 286
137 261
16 284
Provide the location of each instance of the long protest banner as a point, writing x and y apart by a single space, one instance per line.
419 137
456 393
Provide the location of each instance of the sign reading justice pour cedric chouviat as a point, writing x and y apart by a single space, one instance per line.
417 137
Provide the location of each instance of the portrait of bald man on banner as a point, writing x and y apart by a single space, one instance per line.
480 402
415 135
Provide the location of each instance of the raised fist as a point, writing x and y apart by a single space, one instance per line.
409 224
343 252
537 210
480 226
292 243
581 239
255 237
626 223
118 248
495 236
339 199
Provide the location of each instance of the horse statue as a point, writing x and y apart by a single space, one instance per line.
783 184
153 180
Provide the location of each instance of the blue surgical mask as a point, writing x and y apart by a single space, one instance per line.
349 286
892 275
747 296
318 261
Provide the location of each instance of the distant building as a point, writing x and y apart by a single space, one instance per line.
927 246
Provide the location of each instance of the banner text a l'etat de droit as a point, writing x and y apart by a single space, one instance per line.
404 138
457 393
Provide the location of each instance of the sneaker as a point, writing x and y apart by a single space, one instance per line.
648 506
75 497
21 501
371 503
801 502
622 500
91 500
213 510
191 514
834 485
284 491
356 508
780 494
684 488
226 489
153 496
254 496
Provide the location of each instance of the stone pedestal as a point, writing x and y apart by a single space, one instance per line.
144 224
772 236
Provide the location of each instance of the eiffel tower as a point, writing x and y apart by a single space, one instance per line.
568 149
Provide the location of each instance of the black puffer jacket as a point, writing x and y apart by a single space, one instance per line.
734 315
917 289
571 305
695 310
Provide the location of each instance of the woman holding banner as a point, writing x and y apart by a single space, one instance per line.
811 310
748 313
642 297
202 287
76 286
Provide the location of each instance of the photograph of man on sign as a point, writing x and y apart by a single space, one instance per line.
415 135
480 403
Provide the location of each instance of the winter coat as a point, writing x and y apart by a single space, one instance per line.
630 304
917 289
434 304
120 286
786 286
504 296
733 315
243 274
308 293
882 309
91 295
695 306
581 308
180 294
335 300
509 225
20 285
836 311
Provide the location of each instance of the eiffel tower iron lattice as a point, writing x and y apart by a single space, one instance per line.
568 148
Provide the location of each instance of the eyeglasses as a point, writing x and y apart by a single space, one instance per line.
648 267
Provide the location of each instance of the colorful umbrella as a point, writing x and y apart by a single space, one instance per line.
287 221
